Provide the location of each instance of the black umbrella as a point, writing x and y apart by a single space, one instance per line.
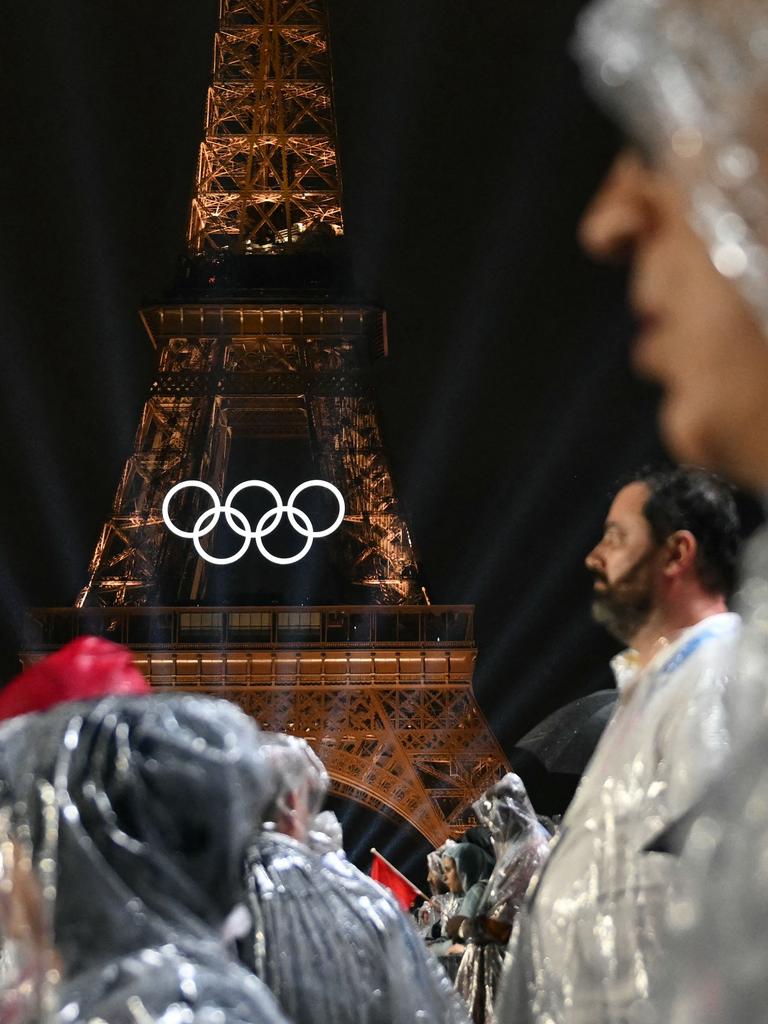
551 758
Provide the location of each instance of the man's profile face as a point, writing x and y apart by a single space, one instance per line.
697 338
623 565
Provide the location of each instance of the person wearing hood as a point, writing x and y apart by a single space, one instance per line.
521 846
329 942
686 206
467 868
130 812
446 906
430 914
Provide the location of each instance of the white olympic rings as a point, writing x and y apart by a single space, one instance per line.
238 522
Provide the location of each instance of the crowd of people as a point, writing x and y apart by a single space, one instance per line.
477 889
164 861
574 927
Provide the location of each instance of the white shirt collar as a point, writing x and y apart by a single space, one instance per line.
626 664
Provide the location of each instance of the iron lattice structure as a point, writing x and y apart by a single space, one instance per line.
268 373
382 693
381 687
267 170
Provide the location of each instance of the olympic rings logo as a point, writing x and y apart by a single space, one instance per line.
238 522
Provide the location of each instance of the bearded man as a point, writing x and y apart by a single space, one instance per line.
587 948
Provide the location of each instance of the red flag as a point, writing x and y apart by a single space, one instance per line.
386 874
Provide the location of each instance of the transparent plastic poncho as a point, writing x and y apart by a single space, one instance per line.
333 945
473 867
326 835
521 845
130 818
430 914
588 946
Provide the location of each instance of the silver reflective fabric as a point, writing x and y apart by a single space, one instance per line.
521 846
688 80
586 947
325 834
135 813
333 946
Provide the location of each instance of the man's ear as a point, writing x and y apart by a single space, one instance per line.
681 548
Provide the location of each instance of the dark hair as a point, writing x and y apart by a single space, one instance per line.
689 498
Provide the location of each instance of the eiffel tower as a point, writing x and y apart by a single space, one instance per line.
263 359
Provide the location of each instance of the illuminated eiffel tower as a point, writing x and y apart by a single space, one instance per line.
261 352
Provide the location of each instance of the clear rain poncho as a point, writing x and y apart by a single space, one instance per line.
430 915
688 79
521 845
135 813
587 946
326 835
473 868
333 945
447 906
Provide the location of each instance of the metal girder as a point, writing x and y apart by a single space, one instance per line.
383 694
267 171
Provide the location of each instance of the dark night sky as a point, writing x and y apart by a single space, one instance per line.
468 150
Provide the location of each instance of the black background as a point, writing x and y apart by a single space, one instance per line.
468 152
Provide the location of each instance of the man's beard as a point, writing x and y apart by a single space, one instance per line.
626 604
